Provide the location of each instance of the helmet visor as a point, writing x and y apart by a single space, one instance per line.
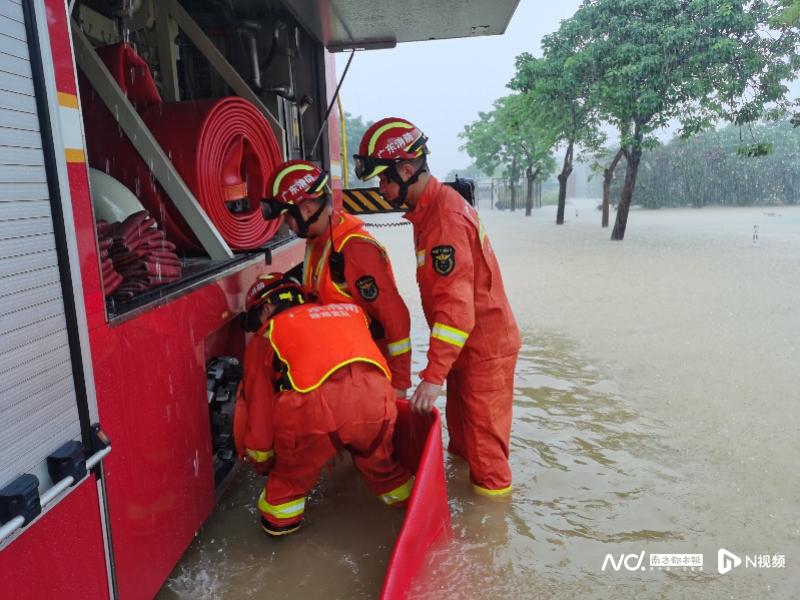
367 167
272 208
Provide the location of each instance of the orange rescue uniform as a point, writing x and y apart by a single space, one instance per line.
315 383
368 282
474 338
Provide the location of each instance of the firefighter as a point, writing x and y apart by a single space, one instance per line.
314 383
474 340
343 262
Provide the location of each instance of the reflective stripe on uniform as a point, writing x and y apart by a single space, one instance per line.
450 335
481 231
482 491
260 456
287 510
398 494
399 347
420 258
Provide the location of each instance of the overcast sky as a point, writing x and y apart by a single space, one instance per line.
442 85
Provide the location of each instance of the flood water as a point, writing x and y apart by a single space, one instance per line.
656 410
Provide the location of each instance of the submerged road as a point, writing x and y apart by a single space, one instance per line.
655 412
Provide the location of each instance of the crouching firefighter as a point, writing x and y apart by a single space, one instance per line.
315 383
343 262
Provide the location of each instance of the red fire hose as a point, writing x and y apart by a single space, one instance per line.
223 149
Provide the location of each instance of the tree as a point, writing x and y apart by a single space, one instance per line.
790 16
511 137
561 83
522 118
791 12
356 128
489 147
607 161
710 169
470 172
691 60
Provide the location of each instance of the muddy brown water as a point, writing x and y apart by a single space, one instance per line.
655 411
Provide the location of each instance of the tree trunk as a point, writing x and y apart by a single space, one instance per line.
608 177
513 182
529 177
634 157
566 170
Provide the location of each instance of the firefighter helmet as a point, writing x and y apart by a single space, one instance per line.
276 289
297 180
385 144
292 183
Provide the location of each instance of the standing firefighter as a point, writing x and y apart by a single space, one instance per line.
474 338
314 383
343 262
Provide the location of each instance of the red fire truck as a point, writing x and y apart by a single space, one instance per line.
116 382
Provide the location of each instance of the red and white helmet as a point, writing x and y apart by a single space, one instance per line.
297 180
291 184
386 143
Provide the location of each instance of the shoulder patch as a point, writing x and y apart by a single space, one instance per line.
367 288
444 259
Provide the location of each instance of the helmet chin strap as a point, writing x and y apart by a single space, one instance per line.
303 224
393 175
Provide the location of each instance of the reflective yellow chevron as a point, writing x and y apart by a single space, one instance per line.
367 201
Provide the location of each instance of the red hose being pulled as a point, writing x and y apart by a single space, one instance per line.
223 149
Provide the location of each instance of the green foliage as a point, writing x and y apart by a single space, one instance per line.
710 169
356 128
561 84
755 150
510 138
696 61
790 14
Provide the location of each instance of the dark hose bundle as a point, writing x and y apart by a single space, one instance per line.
223 149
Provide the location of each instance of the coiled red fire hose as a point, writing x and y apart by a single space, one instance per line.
223 149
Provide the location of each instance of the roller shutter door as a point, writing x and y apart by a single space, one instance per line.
38 399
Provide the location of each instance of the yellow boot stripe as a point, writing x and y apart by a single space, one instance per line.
287 510
260 456
482 491
398 494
